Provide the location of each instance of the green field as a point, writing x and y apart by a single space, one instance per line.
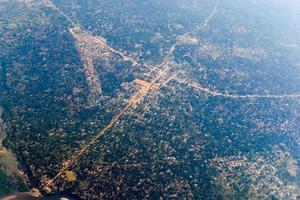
10 184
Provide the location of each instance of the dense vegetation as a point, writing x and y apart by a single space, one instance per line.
176 142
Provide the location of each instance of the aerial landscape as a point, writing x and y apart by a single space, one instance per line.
149 99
